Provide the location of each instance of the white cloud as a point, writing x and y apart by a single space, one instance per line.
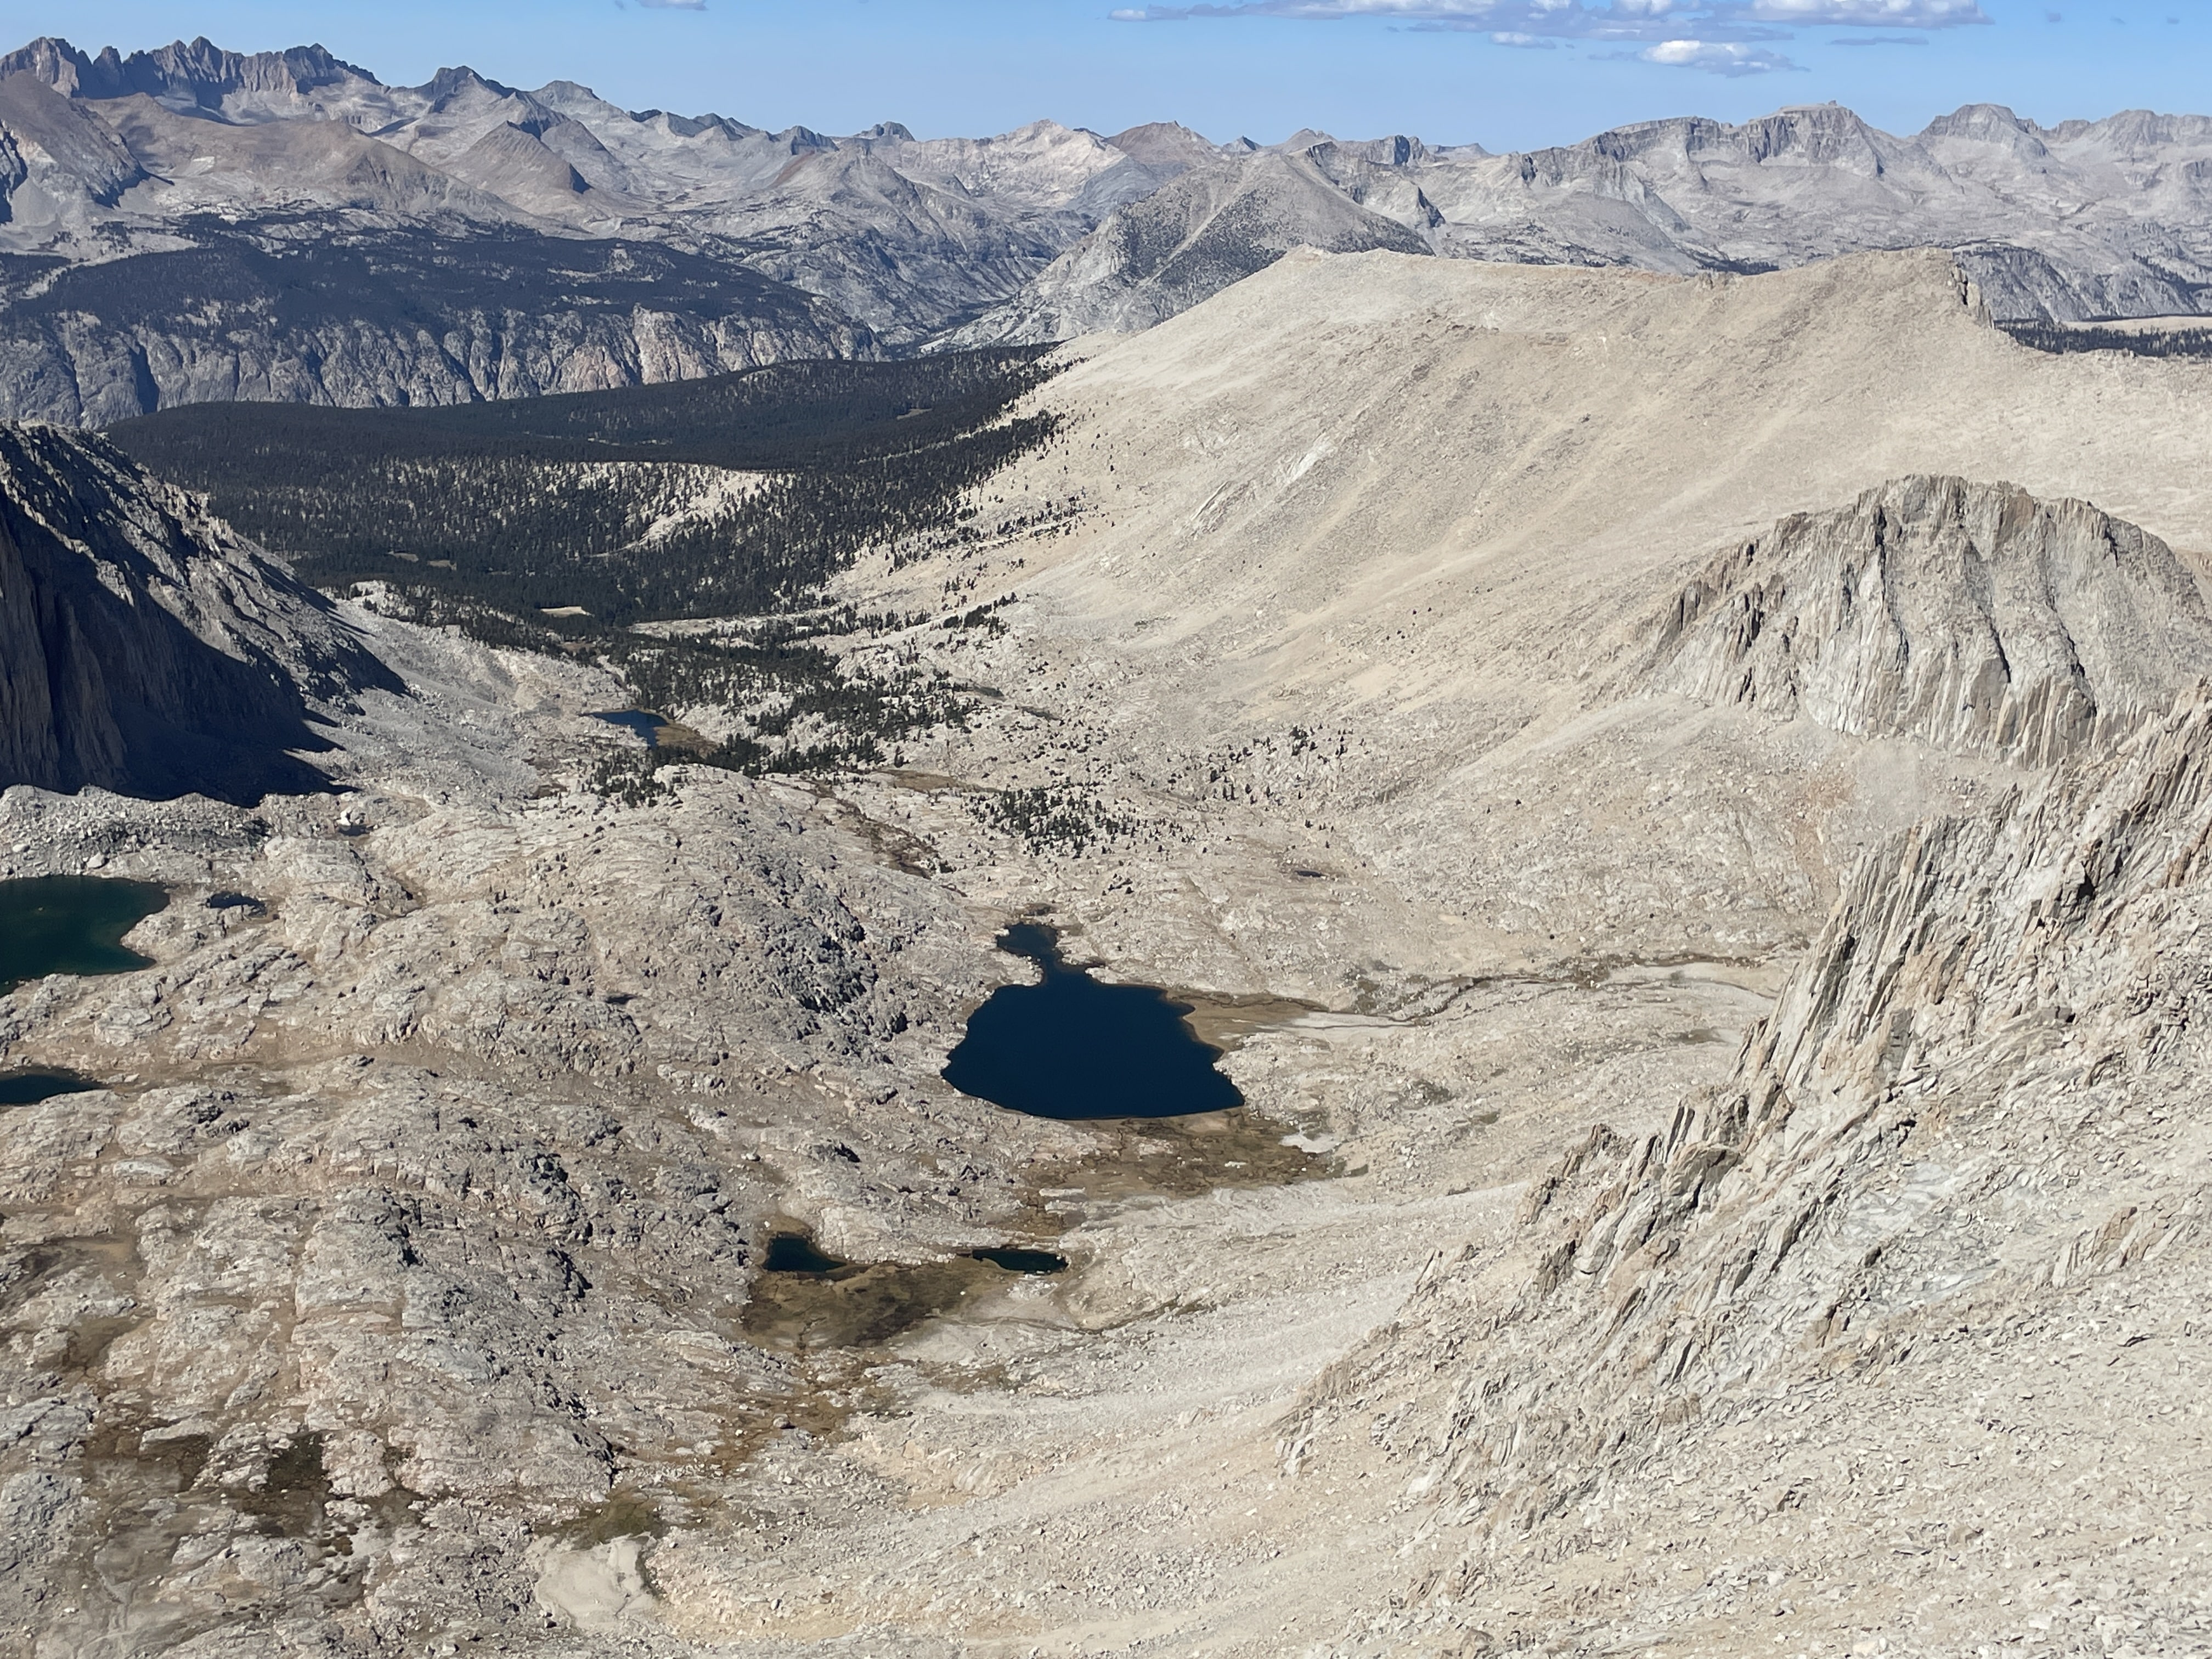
1867 14
1715 58
1510 23
673 5
1517 22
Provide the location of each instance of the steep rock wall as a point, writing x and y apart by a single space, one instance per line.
395 318
144 648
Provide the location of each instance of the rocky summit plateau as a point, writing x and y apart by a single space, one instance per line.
1647 774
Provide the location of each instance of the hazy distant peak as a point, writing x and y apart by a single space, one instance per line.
2141 129
1979 121
800 140
1395 151
1991 124
1164 143
449 83
690 126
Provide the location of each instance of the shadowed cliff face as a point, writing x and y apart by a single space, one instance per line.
145 648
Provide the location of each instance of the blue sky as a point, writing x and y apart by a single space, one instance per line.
1507 74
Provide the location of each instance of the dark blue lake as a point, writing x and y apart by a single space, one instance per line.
29 1088
643 721
1070 1047
72 925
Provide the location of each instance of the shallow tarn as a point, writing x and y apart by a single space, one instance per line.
1125 1059
29 1088
807 1299
72 925
643 721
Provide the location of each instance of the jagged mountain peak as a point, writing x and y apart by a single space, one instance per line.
52 60
196 72
2091 220
206 68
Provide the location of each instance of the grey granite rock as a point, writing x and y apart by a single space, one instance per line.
1972 617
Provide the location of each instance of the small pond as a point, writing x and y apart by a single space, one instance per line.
1071 1046
29 1088
795 1253
643 721
72 925
1023 1261
808 1299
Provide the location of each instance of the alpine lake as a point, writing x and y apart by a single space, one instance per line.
1124 1059
66 925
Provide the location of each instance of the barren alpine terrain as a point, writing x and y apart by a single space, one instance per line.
1683 799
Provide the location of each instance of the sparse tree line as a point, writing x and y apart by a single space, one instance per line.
503 521
1066 818
611 502
2058 337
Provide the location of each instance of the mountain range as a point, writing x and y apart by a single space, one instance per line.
192 223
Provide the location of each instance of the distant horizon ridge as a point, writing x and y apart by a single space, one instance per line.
110 67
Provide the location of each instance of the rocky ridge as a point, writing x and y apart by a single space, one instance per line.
2087 220
1959 1159
1211 226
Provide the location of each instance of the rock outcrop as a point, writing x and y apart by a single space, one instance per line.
146 649
486 1251
1973 616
